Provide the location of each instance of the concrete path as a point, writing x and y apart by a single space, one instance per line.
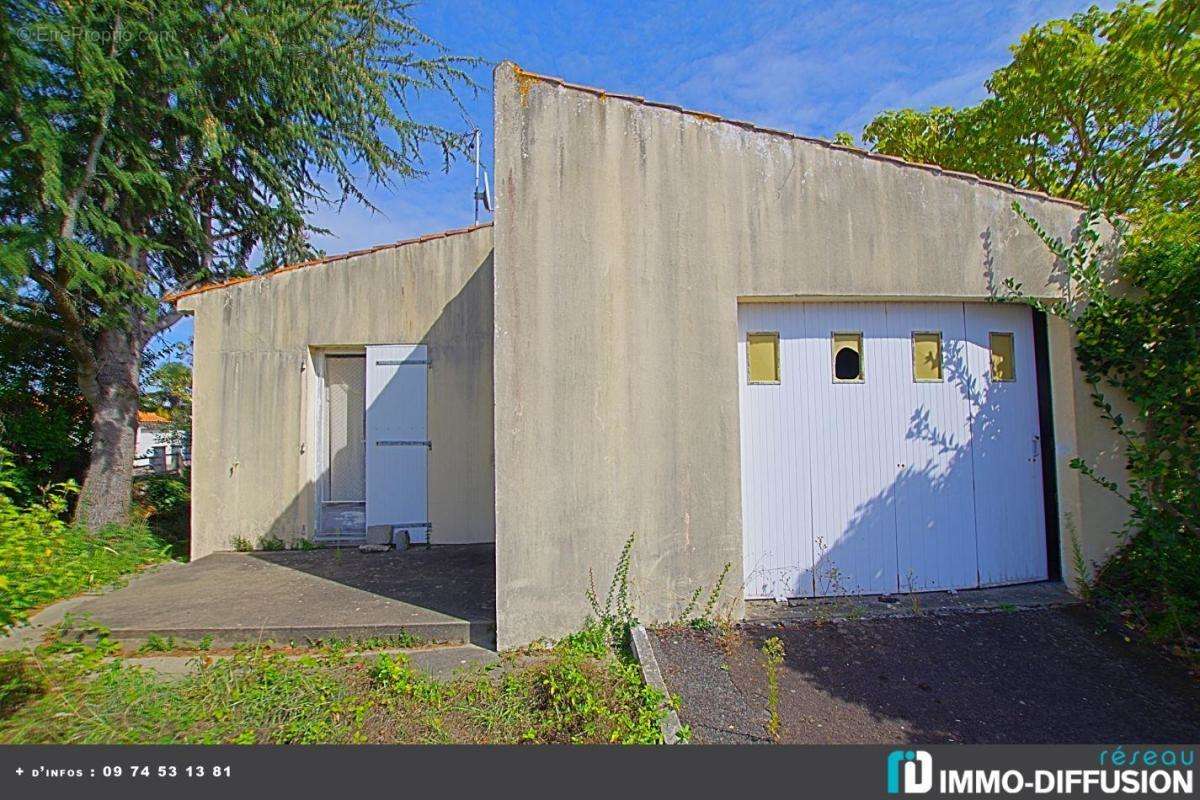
442 663
1023 676
34 631
444 594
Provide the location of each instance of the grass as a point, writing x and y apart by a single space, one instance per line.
43 559
579 691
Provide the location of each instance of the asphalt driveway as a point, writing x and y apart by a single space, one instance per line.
1042 675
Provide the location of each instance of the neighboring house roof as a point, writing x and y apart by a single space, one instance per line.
171 298
152 418
523 77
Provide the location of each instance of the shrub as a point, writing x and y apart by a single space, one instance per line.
1145 343
165 503
43 559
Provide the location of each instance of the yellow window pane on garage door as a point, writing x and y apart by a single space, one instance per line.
927 356
762 357
1004 365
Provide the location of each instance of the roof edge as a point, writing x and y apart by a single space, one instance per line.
704 116
174 297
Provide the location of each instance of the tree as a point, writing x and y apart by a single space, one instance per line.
167 390
148 147
1103 107
44 420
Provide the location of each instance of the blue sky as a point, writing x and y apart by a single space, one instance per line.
814 68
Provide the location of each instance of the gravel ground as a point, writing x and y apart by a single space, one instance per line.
1045 675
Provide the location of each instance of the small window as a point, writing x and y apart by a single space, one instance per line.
847 357
1004 364
762 357
927 356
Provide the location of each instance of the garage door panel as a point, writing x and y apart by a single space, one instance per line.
775 483
903 478
854 527
935 513
1009 504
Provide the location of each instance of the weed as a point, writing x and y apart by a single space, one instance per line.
304 544
831 583
271 544
1078 563
157 644
327 696
19 682
705 620
615 616
914 597
398 641
772 651
242 545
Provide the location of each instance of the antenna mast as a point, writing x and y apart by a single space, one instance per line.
481 194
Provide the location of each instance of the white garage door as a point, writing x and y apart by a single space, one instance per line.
888 447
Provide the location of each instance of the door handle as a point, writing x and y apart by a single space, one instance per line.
1037 440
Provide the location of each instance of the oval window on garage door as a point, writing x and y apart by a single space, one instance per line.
847 357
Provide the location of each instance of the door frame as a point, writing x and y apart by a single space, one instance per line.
318 425
1045 404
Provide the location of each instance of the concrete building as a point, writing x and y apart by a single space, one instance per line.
749 347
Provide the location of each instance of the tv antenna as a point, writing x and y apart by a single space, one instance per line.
483 195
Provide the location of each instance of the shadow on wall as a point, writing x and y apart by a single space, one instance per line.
460 422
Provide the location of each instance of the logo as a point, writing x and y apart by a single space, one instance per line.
909 772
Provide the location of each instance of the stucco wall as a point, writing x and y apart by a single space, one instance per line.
253 458
625 234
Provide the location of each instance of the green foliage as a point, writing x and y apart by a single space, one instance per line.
242 545
615 616
43 559
165 503
329 696
45 423
149 147
1142 341
271 544
1101 107
167 391
19 681
772 651
705 620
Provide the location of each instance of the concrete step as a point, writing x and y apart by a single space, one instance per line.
442 663
481 633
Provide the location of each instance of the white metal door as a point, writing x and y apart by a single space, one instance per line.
1009 506
776 487
851 451
896 481
397 438
933 490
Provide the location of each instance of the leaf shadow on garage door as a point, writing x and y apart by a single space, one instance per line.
931 506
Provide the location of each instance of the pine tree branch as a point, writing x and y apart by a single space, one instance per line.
75 196
32 327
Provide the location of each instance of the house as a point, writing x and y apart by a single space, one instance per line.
159 446
749 347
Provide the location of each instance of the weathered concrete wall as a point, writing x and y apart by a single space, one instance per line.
253 461
625 234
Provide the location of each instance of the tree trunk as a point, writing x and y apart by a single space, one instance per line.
106 493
